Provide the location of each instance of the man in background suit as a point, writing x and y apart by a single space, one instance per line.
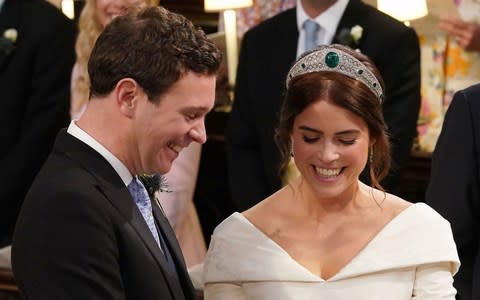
87 228
36 60
454 188
268 51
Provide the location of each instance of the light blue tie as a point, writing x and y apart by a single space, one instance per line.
311 34
142 200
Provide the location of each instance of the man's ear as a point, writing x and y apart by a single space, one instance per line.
127 91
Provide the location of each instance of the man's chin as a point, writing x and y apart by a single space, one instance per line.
164 168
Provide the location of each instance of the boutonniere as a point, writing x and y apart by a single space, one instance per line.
153 184
350 37
7 41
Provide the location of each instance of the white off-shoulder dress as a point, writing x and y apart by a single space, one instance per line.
412 257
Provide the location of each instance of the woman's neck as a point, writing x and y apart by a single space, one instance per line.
313 206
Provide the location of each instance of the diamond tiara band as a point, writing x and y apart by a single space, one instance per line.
335 60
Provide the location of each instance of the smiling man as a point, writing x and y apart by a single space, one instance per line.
93 228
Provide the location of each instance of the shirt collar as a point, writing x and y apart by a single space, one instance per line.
117 165
328 20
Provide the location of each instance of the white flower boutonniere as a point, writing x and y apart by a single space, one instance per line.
7 41
11 34
350 37
356 33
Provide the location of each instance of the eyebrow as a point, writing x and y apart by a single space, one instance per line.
201 109
313 130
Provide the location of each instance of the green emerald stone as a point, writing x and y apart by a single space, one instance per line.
303 66
360 72
332 59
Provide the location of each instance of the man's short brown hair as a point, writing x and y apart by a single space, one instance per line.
153 46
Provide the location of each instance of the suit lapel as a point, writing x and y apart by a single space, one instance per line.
122 200
282 53
287 39
172 244
10 16
112 186
354 13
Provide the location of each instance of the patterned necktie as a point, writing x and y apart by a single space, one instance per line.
142 200
311 34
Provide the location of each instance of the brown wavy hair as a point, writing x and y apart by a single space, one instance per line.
345 92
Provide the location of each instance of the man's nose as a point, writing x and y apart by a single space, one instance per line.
198 133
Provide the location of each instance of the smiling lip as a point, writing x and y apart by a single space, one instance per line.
175 148
327 173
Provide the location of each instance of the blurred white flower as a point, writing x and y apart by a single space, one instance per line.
356 33
11 34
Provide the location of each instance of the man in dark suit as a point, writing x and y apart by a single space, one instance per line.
454 188
268 51
36 60
87 228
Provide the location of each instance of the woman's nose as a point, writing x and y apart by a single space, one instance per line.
328 153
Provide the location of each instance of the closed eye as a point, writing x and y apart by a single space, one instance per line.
348 141
191 117
310 140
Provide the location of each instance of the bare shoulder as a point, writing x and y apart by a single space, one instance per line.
394 204
389 203
268 212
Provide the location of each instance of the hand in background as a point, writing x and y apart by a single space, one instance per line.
467 34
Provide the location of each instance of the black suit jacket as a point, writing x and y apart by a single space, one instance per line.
454 188
267 53
35 85
80 235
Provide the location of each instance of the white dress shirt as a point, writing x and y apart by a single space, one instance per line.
117 165
328 21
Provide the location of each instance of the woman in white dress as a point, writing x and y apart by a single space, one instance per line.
326 235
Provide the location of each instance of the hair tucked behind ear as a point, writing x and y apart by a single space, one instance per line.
345 92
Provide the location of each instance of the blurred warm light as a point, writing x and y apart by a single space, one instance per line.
230 19
220 5
68 8
404 10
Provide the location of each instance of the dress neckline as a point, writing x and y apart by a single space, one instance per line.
383 231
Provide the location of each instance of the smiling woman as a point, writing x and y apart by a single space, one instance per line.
326 234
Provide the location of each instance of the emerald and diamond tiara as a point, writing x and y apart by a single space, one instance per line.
335 60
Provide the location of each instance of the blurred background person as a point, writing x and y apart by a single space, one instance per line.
259 11
266 54
36 59
450 62
454 188
177 204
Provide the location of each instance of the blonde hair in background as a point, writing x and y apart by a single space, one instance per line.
89 30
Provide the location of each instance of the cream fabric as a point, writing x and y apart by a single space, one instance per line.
5 257
412 257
